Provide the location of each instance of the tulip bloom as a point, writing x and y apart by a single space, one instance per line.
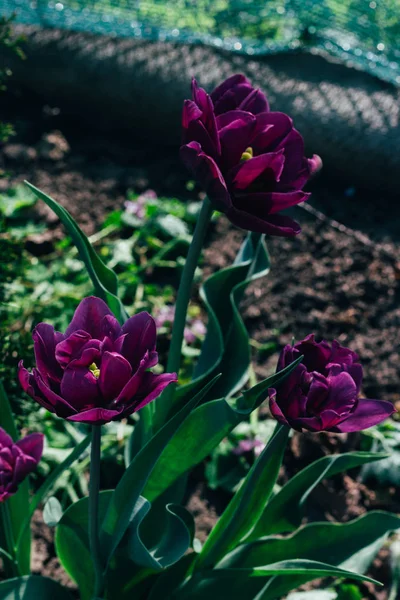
17 461
97 371
250 161
321 393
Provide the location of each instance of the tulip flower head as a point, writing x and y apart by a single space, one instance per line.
322 392
250 161
17 461
97 371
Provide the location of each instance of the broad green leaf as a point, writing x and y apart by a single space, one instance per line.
284 512
171 578
104 279
133 481
33 588
52 512
72 543
226 346
247 583
19 503
174 539
202 431
247 504
351 546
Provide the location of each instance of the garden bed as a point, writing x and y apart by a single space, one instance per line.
340 278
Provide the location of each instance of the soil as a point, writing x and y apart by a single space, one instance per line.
339 279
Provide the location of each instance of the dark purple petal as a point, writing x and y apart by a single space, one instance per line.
271 131
110 327
265 204
196 131
79 387
23 466
255 103
89 316
342 393
366 414
228 84
32 445
71 347
270 165
49 399
96 416
317 395
151 387
314 164
274 408
140 336
316 354
341 355
235 130
280 225
5 439
207 174
115 373
44 343
207 117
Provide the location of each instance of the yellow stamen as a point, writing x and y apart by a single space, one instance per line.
247 154
95 370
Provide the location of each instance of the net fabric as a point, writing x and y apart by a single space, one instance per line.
363 33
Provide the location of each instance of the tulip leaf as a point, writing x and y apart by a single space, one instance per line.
19 503
202 431
52 512
72 543
103 278
226 346
351 546
285 511
174 541
248 583
31 587
247 504
132 483
172 578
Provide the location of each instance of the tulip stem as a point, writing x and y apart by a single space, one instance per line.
182 303
94 490
9 539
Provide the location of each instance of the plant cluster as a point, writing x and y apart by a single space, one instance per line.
102 372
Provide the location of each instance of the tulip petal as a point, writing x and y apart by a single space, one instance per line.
231 82
342 395
71 347
235 130
196 130
267 167
151 387
316 354
89 316
79 387
140 336
280 225
275 409
44 343
255 103
271 130
95 416
366 414
49 399
32 445
115 373
265 204
110 327
208 174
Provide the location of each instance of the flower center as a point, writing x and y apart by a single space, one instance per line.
247 154
95 370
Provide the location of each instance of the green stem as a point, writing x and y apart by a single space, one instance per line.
182 303
9 538
94 489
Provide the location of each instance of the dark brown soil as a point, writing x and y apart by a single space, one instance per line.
339 279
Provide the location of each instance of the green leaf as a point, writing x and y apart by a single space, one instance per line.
32 588
247 583
171 578
247 504
72 543
52 512
19 503
285 511
226 346
202 431
172 544
133 481
351 546
104 279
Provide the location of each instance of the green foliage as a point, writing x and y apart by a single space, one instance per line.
27 588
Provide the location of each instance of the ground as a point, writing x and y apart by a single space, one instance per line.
340 278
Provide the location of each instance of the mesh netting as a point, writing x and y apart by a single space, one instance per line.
364 33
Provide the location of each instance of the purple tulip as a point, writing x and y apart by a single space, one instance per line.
17 461
97 371
250 161
322 392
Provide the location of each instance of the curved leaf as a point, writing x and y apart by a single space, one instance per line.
31 587
248 502
285 511
104 279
